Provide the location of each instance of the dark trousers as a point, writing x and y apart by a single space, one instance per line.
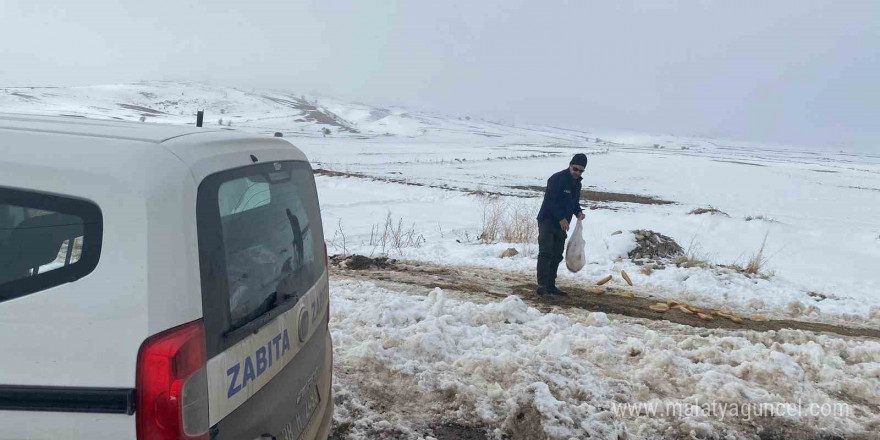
551 244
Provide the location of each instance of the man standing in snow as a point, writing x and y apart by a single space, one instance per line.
561 201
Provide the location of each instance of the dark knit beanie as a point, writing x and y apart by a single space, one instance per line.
579 159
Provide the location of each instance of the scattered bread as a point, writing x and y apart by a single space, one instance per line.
727 314
704 316
626 277
758 318
595 291
660 307
627 294
684 309
694 309
604 280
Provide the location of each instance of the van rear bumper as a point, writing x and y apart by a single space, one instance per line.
323 421
323 428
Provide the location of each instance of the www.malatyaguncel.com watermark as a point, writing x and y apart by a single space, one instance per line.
722 410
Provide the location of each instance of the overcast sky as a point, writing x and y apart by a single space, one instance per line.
795 71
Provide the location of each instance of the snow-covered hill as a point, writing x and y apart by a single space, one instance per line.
295 114
820 208
177 103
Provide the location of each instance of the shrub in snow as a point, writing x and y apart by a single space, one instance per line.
508 221
392 236
709 210
757 261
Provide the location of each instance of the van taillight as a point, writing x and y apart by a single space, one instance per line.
172 385
326 256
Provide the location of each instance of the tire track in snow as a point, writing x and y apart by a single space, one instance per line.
614 300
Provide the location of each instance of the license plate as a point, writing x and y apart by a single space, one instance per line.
307 401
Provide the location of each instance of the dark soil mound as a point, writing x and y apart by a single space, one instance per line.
654 246
360 262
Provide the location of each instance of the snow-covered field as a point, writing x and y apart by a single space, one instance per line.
508 368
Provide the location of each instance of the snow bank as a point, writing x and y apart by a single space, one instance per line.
515 370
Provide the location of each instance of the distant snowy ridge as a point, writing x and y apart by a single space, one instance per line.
269 110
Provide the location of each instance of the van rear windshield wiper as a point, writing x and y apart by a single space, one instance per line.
269 309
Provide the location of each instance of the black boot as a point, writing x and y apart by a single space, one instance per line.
552 290
542 291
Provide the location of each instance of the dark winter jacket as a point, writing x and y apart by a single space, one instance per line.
561 197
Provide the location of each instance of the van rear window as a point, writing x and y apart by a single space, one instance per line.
260 237
45 241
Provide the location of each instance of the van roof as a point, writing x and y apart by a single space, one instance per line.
80 126
203 150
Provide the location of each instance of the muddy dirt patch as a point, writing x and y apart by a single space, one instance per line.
612 300
455 431
360 262
606 197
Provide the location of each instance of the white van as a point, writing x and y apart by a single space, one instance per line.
159 282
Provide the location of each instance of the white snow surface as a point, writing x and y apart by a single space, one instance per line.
567 374
821 209
404 359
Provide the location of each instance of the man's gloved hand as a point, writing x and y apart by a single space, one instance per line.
564 224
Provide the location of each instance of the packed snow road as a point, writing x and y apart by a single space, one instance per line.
414 361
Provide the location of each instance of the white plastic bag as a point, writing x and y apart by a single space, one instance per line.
575 259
